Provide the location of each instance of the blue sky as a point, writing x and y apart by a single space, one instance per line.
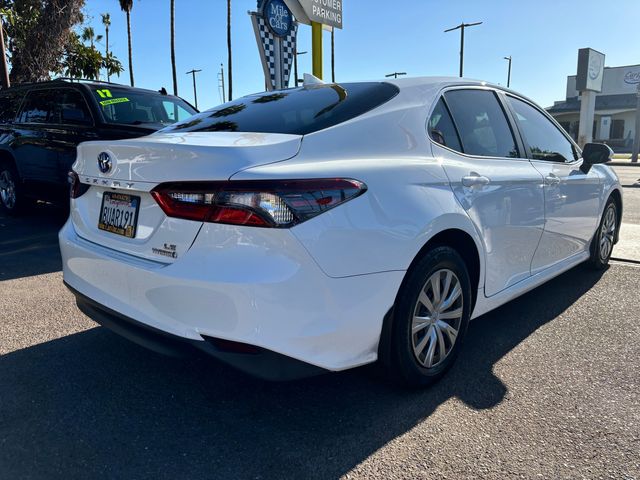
380 37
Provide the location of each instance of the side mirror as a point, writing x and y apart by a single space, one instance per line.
594 153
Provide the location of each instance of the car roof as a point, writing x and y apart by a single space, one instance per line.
76 82
408 83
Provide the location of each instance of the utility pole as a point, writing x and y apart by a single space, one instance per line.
195 90
462 26
221 83
636 139
295 64
509 74
4 70
395 74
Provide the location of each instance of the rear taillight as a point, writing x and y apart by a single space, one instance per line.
77 189
257 203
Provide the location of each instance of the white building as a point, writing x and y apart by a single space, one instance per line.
614 121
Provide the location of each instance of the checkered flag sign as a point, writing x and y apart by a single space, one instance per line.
277 54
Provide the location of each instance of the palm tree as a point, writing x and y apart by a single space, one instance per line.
229 62
106 21
89 35
173 47
126 6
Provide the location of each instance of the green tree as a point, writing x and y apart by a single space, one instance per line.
85 61
126 6
38 32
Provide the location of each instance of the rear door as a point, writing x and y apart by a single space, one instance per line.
492 179
572 197
36 157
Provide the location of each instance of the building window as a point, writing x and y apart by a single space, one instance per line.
617 129
566 126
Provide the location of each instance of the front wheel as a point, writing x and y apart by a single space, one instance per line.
431 316
603 241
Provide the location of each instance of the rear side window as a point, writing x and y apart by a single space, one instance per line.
39 107
482 125
441 128
9 105
297 111
545 141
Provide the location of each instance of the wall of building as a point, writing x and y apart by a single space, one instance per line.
616 80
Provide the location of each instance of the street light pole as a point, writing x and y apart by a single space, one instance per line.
462 26
509 74
295 64
395 74
195 90
636 139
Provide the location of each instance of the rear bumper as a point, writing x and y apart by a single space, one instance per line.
255 361
253 286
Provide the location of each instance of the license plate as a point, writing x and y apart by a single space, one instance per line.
119 214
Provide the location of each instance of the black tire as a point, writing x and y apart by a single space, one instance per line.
602 243
403 363
12 199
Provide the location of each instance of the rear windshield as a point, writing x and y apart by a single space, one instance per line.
297 111
136 107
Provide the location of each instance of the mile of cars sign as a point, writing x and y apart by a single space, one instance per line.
275 32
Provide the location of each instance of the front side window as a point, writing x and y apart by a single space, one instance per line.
482 125
74 109
441 128
545 140
138 107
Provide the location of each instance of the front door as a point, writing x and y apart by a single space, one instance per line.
572 197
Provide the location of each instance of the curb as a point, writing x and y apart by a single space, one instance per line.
623 164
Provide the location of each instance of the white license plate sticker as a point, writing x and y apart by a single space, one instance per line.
119 214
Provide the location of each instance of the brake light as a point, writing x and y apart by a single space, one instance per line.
77 189
257 203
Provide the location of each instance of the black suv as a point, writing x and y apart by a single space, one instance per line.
41 124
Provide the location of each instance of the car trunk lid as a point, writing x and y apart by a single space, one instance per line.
119 212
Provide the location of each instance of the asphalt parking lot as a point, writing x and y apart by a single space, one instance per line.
546 387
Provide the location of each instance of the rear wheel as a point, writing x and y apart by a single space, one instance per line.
603 241
11 199
431 316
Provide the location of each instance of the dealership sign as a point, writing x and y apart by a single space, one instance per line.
590 70
632 78
278 17
325 12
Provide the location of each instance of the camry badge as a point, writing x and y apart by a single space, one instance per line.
104 162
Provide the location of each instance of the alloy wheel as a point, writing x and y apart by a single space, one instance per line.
7 190
437 318
607 233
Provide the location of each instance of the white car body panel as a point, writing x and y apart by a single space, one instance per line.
318 292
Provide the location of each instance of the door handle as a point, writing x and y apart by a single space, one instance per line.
551 180
475 180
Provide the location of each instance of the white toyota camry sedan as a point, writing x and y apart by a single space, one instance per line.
328 226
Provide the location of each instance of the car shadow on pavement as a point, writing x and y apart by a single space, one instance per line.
29 244
92 405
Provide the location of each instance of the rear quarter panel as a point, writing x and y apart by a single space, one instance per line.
408 198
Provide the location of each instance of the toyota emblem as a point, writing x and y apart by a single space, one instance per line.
104 162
